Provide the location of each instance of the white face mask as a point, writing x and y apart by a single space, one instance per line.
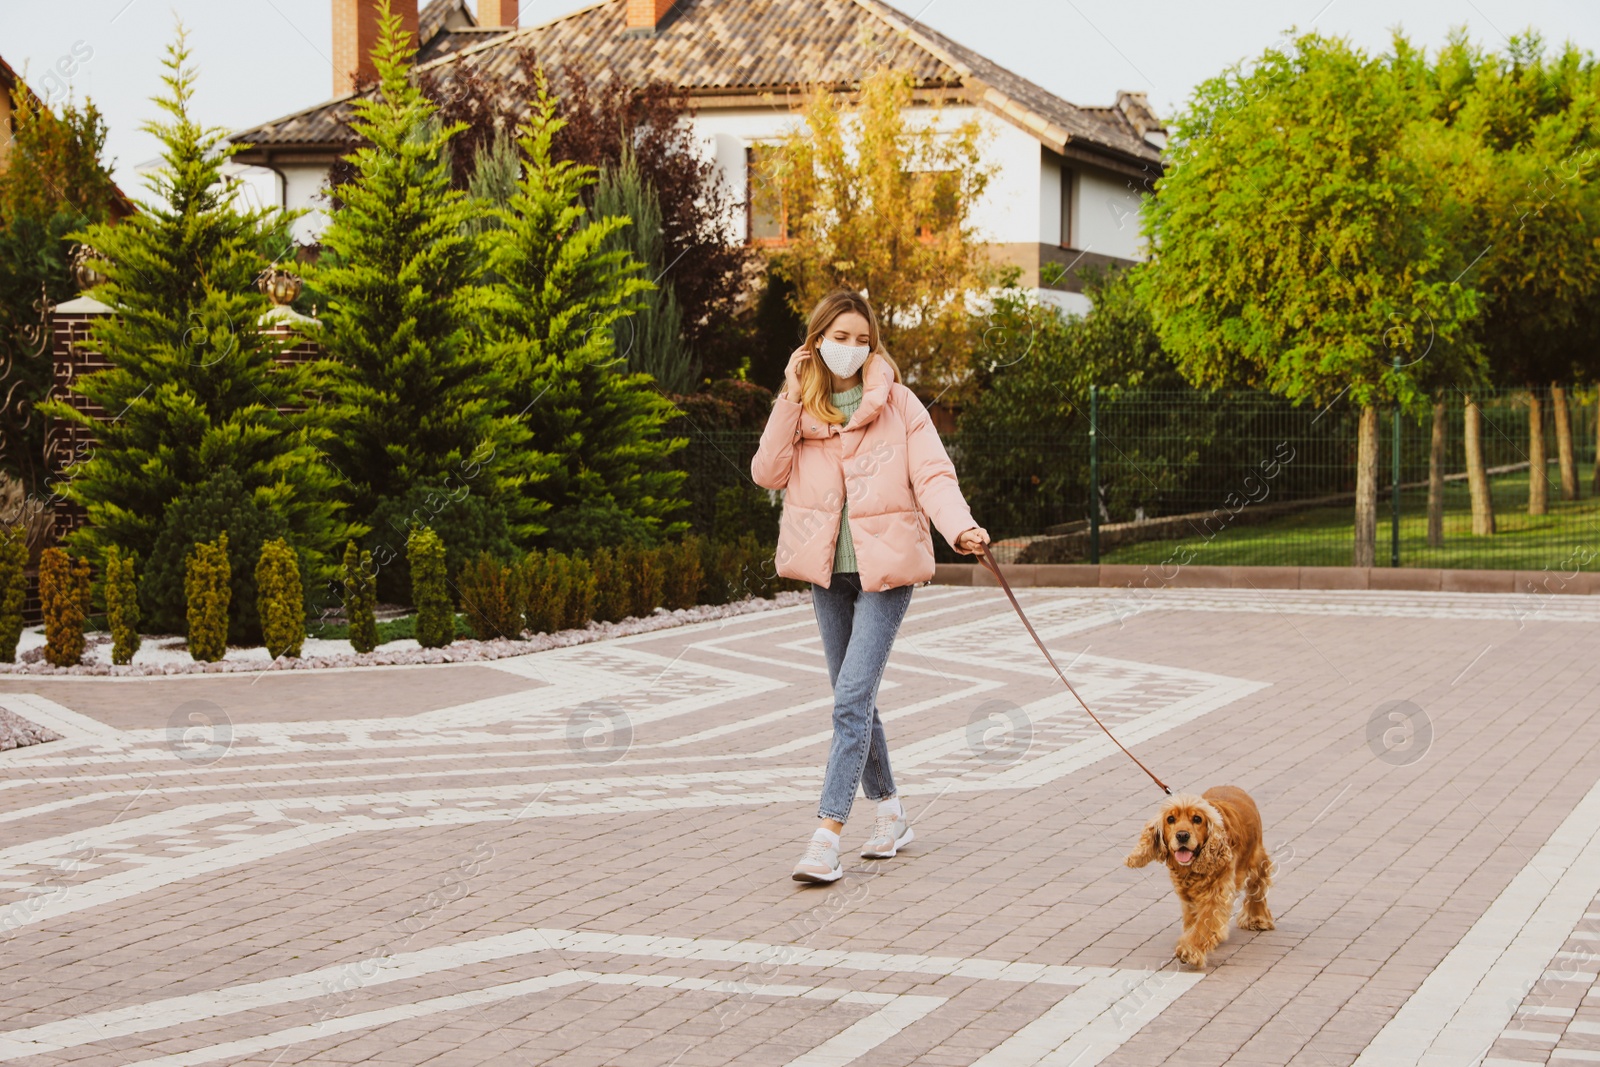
843 360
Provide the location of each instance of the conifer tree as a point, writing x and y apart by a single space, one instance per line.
13 589
421 439
436 614
194 388
282 606
360 598
494 180
122 604
64 601
206 588
650 340
562 290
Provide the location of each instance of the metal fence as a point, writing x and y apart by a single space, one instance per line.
1230 478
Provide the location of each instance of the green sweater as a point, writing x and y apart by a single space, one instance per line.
844 553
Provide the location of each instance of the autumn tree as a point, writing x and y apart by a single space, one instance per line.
867 195
54 182
601 122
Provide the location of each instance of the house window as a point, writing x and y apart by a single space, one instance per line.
766 214
1069 194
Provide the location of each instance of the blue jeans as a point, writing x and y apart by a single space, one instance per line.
858 630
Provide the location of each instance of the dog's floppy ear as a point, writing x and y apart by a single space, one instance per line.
1217 854
1152 845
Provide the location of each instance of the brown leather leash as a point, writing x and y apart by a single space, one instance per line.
994 568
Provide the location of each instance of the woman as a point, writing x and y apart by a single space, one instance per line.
863 471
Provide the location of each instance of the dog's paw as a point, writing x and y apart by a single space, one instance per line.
1256 922
1187 953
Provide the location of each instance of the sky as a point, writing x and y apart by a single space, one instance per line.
260 60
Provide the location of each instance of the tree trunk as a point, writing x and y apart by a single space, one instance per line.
1477 477
1569 465
1596 485
1436 477
1538 462
1367 488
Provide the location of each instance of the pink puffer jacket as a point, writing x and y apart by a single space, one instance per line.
887 463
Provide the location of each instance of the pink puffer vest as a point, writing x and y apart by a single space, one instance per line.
887 463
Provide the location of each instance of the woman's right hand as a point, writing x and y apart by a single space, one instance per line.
791 373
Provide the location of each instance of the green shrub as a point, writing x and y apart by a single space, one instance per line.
734 568
493 597
713 590
740 568
646 575
541 607
579 590
547 580
13 588
282 602
360 598
744 509
206 588
466 524
613 592
682 573
64 596
122 604
219 503
436 617
560 591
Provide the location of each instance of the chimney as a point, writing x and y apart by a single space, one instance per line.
1135 107
498 13
355 34
644 16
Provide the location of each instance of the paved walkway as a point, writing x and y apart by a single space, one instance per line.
582 856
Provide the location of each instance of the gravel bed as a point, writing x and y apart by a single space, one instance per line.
15 731
462 651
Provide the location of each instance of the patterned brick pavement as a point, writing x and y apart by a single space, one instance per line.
582 856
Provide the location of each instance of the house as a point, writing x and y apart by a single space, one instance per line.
1068 183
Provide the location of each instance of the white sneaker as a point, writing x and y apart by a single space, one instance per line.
888 834
819 864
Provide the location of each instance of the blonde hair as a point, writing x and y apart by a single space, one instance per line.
815 382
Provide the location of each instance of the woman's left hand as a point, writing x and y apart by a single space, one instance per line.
971 540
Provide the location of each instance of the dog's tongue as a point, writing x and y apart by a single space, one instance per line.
1184 856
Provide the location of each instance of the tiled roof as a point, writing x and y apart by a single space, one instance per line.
454 41
445 27
431 19
712 47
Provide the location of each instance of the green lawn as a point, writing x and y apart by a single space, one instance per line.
390 630
1570 532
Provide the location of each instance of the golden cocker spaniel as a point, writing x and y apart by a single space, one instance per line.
1212 847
